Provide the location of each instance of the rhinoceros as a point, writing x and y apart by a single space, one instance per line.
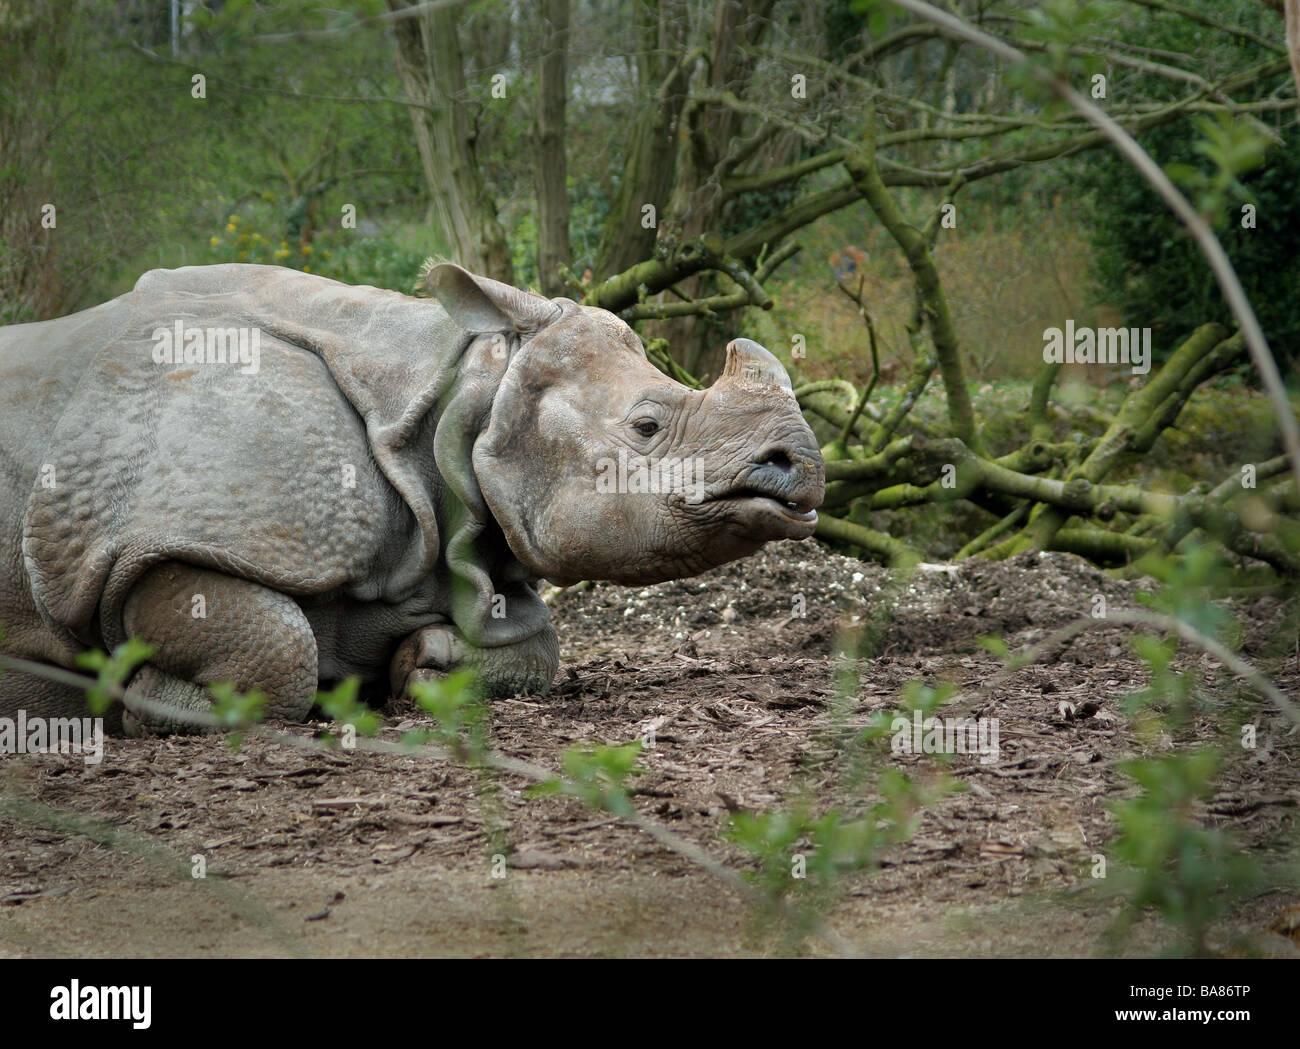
278 481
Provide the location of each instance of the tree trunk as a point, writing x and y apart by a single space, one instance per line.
710 128
652 142
553 249
432 69
1292 16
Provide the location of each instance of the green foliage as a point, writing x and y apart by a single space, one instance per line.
341 704
1191 583
1061 25
598 775
261 233
998 648
589 203
305 125
523 250
112 671
1187 873
236 711
1144 262
1167 860
806 849
844 20
1170 863
1168 697
801 853
455 702
916 696
1233 147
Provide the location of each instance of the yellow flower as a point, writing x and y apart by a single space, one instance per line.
306 249
230 228
214 241
234 220
327 254
282 253
306 269
284 244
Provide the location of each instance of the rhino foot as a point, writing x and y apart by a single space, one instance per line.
505 670
158 704
248 635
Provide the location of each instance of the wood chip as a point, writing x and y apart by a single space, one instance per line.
348 803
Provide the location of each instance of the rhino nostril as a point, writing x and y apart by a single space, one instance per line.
777 457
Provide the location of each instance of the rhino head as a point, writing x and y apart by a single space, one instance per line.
596 465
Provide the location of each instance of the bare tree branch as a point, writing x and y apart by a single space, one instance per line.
1168 192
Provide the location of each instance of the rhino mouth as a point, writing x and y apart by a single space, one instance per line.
771 514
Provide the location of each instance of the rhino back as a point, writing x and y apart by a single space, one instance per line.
41 365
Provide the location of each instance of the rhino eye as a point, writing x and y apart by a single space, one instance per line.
646 427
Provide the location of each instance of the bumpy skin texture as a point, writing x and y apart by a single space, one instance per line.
379 498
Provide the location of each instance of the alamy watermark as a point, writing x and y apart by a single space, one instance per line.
650 475
39 735
932 735
75 1002
208 345
1098 346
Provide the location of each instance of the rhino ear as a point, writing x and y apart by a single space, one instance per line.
747 361
478 304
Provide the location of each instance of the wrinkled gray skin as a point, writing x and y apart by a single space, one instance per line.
380 498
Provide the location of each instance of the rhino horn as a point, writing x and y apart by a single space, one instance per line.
747 361
479 304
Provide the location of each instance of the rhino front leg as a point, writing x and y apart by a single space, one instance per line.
432 651
208 627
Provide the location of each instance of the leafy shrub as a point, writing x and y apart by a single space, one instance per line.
258 234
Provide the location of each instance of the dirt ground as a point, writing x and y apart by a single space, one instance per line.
358 854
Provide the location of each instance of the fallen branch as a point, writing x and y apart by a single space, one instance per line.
893 552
